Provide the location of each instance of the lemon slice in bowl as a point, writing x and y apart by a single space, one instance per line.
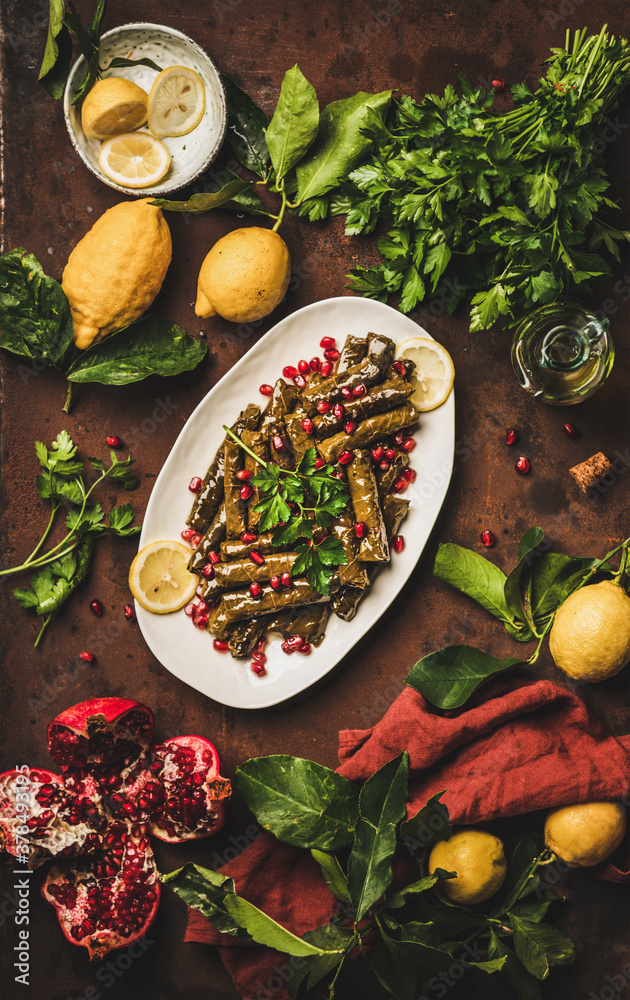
435 372
177 101
113 106
159 577
134 160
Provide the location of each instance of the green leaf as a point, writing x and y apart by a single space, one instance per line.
54 487
120 519
34 312
436 262
412 290
488 306
205 201
527 849
340 143
26 597
273 510
299 801
524 984
333 940
555 576
410 952
475 576
206 891
540 946
518 577
382 804
448 677
246 128
91 518
295 122
55 66
120 62
65 567
333 874
429 824
152 346
266 931
541 192
422 885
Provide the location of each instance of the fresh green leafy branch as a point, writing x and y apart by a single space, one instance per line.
525 602
61 568
296 504
390 938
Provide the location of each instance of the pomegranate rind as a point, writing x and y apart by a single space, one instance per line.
202 796
99 731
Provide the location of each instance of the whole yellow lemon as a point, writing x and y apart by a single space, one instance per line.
113 106
244 276
585 834
116 270
590 636
479 860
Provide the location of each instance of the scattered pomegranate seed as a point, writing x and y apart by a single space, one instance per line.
400 485
346 392
400 368
275 582
339 410
383 465
390 454
87 657
96 607
319 462
247 537
408 445
300 381
397 438
278 442
259 657
258 669
315 364
522 465
332 354
571 431
289 371
398 543
266 389
194 540
286 580
487 538
190 609
350 427
114 442
255 589
323 406
221 645
326 368
498 84
346 457
129 612
410 475
307 425
360 529
201 621
260 646
327 342
511 435
207 571
359 390
195 484
187 534
257 558
245 492
214 557
244 475
377 454
304 367
305 648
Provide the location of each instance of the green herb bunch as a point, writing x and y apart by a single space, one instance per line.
60 569
525 602
384 940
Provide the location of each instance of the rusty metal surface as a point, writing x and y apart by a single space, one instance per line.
51 200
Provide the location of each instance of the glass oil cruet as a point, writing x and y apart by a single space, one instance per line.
562 353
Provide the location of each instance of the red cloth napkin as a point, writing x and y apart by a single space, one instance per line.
520 749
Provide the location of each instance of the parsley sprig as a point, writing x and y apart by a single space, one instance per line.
60 569
295 504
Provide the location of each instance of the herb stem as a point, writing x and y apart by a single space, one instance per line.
249 451
536 653
27 561
67 406
45 624
542 859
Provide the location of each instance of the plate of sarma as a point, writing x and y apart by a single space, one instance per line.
360 406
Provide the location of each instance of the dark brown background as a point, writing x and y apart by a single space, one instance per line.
51 200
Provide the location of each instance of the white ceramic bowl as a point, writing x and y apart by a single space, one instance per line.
191 154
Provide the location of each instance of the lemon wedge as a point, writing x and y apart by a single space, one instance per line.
113 106
177 101
159 577
435 372
134 160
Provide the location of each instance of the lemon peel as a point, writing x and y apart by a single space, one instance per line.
159 577
590 636
112 106
585 834
479 860
434 375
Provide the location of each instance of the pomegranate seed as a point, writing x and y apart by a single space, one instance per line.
304 367
266 389
498 84
129 612
300 381
87 657
190 609
410 475
522 465
221 645
255 589
261 645
207 571
325 368
278 442
346 392
214 557
199 591
346 457
340 476
360 529
319 462
259 657
327 342
307 425
383 465
202 607
332 354
257 558
289 371
377 454
201 621
400 368
339 410
487 538
195 484
187 534
286 648
258 669
390 454
305 648
398 543
194 540
359 390
323 406
247 537
96 607
275 582
245 492
571 431
400 485
244 475
350 427
294 642
113 442
315 364
511 436
286 580
397 438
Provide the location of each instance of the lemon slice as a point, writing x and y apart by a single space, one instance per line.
112 106
134 160
159 577
177 101
434 373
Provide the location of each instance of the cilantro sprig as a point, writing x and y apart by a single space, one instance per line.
60 569
295 503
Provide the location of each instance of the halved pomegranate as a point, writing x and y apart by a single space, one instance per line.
195 794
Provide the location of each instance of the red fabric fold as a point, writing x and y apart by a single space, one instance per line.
521 749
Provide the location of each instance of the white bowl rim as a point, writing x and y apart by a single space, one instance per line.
147 192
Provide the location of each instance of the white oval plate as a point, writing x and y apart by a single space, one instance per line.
188 652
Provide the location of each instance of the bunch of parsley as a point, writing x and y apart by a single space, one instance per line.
500 210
